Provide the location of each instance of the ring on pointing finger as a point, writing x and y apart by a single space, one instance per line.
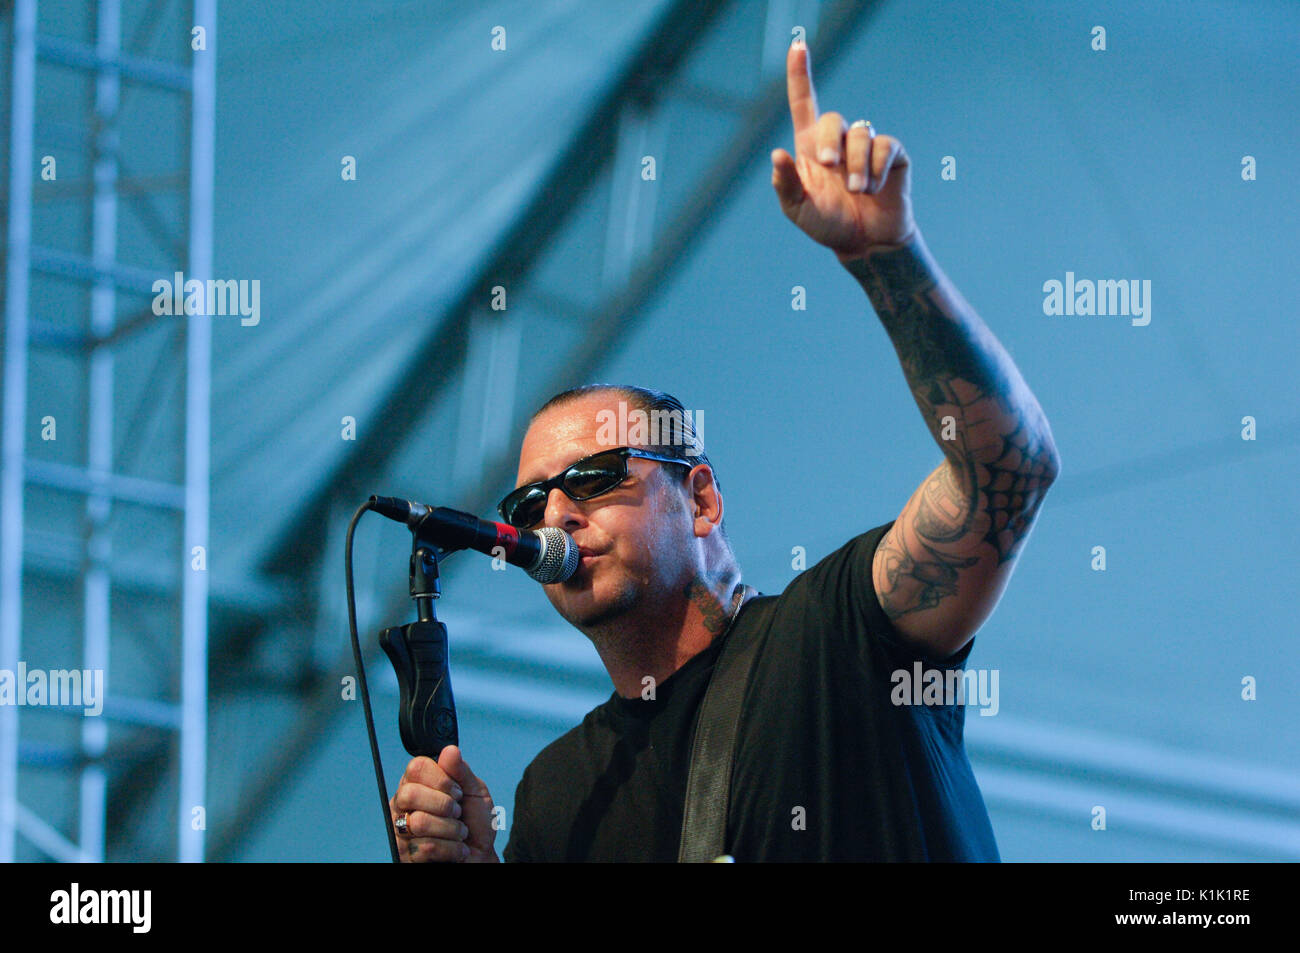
403 824
861 124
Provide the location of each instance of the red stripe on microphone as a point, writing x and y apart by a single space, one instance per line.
507 537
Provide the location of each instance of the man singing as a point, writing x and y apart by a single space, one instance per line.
827 765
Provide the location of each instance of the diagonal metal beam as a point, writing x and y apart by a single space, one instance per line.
573 174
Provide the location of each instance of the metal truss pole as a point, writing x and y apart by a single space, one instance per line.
97 582
15 401
198 400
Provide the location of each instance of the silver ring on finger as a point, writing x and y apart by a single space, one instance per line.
860 124
403 824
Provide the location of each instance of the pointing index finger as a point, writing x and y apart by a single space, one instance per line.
798 85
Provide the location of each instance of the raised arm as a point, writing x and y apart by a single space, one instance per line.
942 567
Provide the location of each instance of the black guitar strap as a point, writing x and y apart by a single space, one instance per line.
713 745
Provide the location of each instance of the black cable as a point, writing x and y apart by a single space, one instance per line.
361 678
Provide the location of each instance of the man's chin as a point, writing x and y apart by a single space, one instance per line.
585 608
590 615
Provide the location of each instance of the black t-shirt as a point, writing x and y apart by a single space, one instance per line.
826 768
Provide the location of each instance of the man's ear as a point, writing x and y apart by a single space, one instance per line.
706 500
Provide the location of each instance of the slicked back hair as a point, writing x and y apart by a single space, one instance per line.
680 435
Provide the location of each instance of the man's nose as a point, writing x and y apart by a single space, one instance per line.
562 511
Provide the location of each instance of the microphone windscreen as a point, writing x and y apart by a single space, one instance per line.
559 558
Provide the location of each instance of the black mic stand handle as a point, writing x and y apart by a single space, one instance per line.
426 711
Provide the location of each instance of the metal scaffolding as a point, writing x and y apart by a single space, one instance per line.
99 481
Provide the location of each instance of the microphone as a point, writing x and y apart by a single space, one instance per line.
548 554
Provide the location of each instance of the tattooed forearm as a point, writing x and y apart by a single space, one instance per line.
978 407
935 347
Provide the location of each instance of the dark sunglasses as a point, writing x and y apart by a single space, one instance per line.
589 477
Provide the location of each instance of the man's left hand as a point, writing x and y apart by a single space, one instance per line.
847 188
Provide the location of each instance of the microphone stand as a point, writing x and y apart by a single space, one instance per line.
426 713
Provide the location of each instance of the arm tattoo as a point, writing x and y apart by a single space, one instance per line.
999 445
944 513
914 585
941 514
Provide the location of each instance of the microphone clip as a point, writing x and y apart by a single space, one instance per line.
426 714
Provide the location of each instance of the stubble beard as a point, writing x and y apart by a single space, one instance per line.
596 619
615 626
603 623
